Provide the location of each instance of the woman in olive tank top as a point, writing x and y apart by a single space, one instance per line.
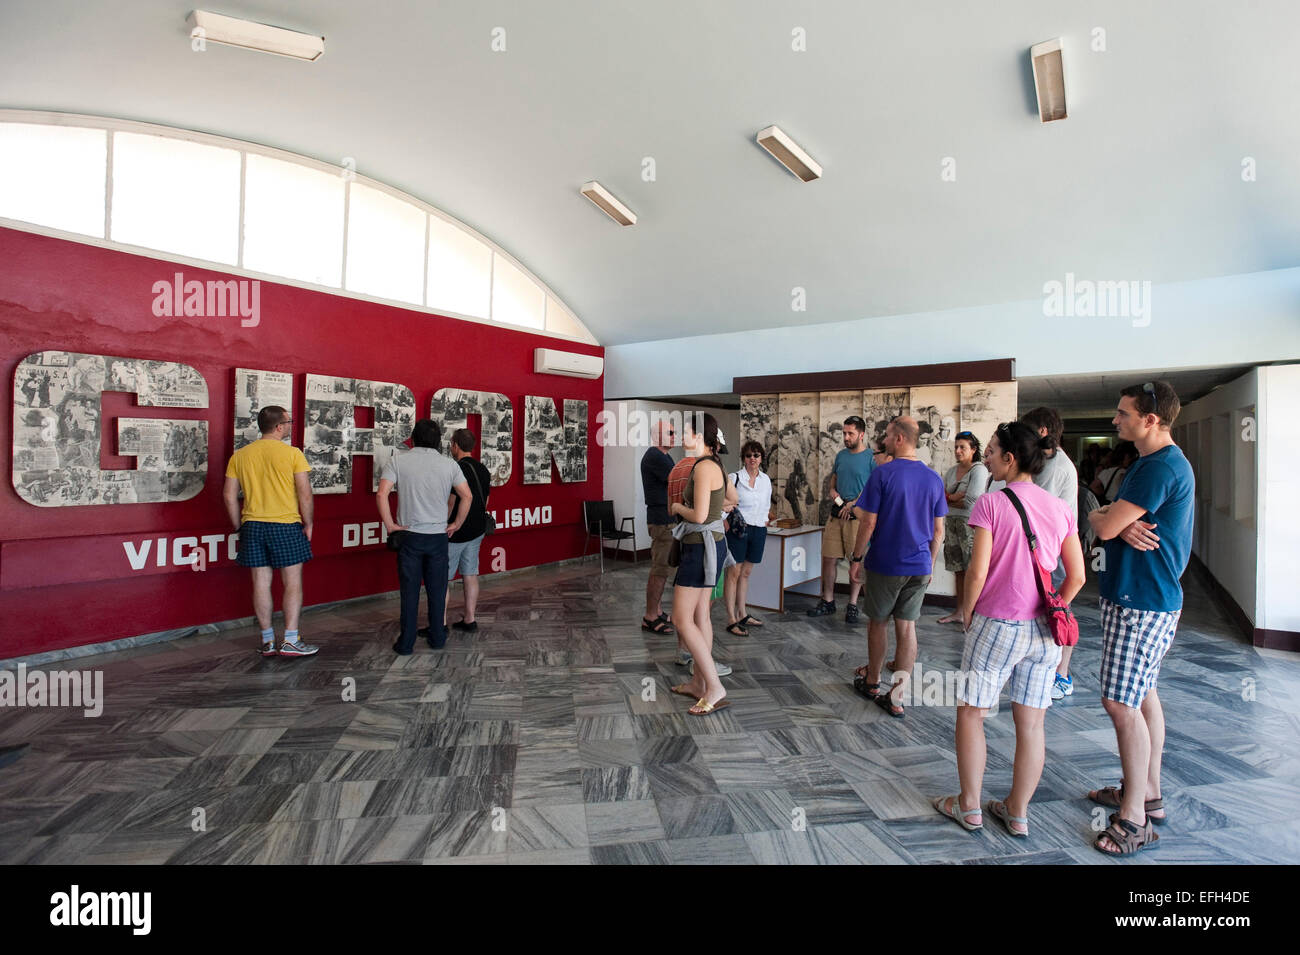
702 502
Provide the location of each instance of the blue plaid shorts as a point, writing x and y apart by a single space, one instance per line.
1133 644
264 544
996 651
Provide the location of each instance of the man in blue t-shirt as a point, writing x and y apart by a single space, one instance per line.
1148 535
853 466
901 513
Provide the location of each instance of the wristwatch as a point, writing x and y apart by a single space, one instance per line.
856 560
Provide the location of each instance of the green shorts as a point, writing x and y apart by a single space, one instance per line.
886 596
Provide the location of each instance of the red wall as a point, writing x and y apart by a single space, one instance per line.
61 295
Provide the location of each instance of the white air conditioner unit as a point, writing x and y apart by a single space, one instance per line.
549 361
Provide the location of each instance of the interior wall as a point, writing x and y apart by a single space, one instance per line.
622 459
1226 538
1188 327
1279 488
71 575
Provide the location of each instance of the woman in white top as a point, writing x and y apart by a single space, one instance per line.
755 491
963 485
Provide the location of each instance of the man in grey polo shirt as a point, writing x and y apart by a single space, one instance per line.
425 480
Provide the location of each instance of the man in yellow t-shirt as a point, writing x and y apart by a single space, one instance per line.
272 531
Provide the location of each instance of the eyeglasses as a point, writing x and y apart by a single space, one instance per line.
753 454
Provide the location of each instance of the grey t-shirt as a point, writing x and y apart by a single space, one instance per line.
424 478
1060 479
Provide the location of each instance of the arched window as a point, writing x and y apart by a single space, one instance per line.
246 208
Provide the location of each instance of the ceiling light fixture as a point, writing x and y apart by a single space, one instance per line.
605 201
1049 79
255 36
789 153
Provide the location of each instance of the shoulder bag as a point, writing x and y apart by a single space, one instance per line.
489 522
1062 624
736 524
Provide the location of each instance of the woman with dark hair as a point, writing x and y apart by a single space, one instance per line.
704 556
754 494
963 484
1006 635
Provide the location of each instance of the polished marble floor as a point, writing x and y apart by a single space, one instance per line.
534 741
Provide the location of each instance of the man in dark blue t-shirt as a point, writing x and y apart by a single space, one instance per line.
1148 535
656 464
901 513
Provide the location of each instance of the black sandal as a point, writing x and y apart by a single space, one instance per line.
888 705
737 630
659 625
748 621
860 685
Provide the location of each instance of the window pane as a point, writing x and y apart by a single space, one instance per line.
53 176
385 246
516 299
176 196
561 322
460 270
293 221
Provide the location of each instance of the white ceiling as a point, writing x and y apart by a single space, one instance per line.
1142 182
1096 396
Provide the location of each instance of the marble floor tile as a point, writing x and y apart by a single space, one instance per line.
531 742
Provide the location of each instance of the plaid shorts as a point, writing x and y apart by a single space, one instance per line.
1021 651
1133 644
264 544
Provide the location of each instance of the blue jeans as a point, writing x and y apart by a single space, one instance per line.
422 560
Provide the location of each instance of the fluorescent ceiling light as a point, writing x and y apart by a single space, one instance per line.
607 204
789 153
255 36
1049 79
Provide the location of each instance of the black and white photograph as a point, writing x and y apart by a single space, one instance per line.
985 405
495 423
796 476
545 440
254 390
879 407
835 406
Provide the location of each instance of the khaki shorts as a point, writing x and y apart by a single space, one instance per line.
838 538
661 538
886 596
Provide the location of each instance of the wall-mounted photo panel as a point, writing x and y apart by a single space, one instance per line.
936 409
57 423
759 422
985 405
452 407
547 439
879 407
797 466
835 407
255 390
328 432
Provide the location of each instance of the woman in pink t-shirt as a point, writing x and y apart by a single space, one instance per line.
1006 636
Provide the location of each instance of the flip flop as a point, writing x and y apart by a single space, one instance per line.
999 811
737 629
680 692
705 708
957 814
748 621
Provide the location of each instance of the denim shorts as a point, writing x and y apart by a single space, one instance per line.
748 549
463 557
690 572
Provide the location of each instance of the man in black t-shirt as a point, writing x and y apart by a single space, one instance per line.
463 546
656 464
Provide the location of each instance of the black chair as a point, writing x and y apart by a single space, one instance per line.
598 518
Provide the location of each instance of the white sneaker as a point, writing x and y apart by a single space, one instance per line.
722 668
684 658
1062 687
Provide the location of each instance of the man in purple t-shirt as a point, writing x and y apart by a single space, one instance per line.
901 512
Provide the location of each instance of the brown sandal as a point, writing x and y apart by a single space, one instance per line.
1113 797
1129 837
